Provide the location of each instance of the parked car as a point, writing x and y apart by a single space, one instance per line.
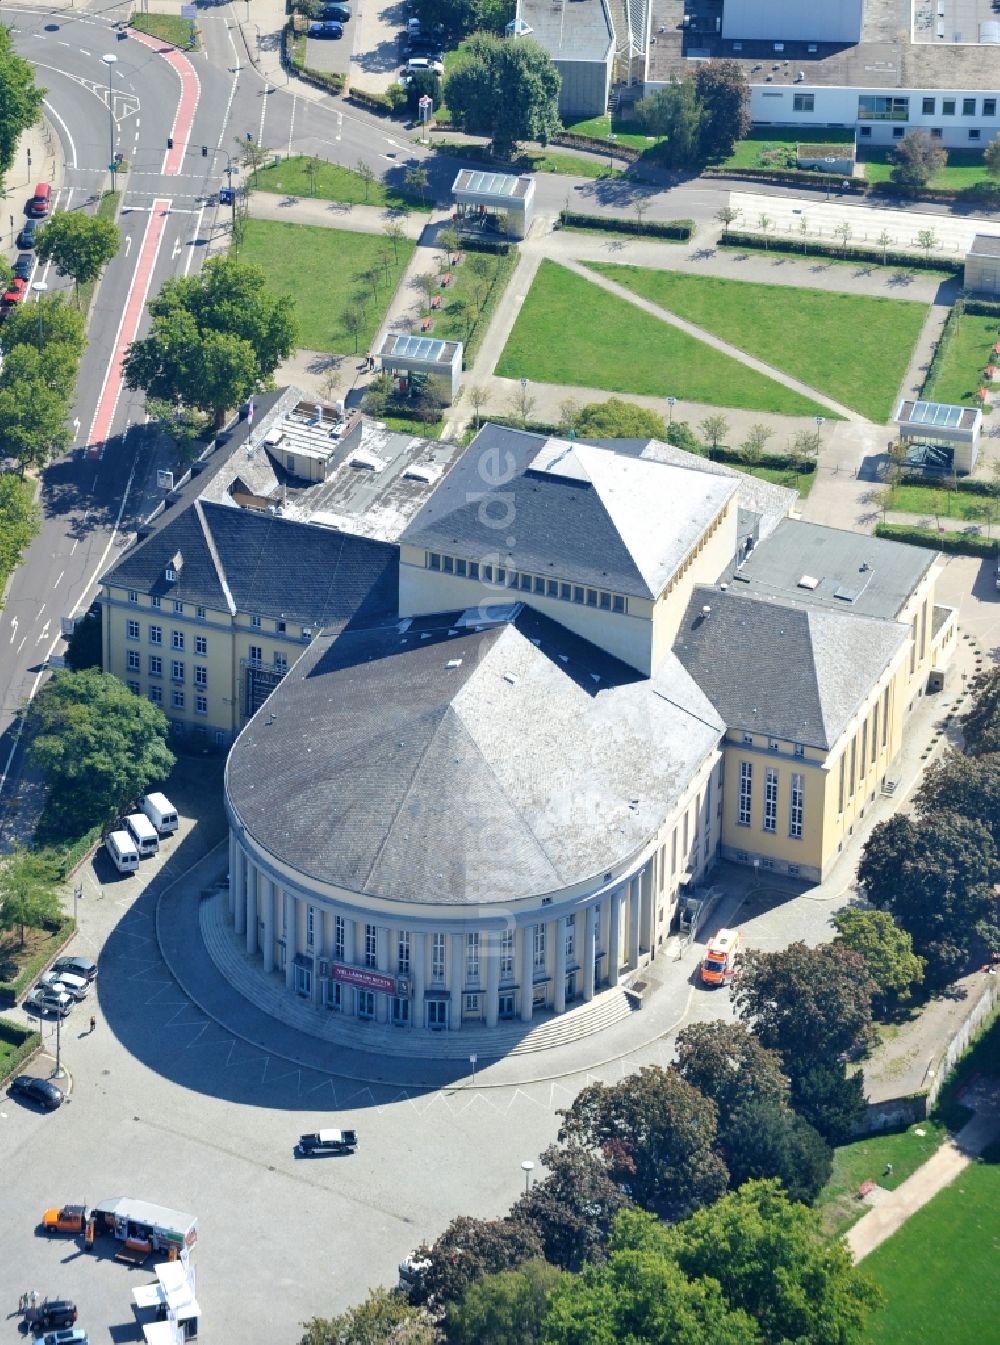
327 1142
24 265
14 292
342 13
330 29
75 1336
40 1091
29 234
48 1000
76 966
55 1314
74 986
424 63
38 206
65 1219
425 43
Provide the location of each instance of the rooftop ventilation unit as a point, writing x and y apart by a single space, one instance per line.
808 581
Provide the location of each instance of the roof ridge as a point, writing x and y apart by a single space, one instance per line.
220 573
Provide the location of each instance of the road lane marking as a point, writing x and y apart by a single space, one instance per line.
180 132
61 573
72 144
13 629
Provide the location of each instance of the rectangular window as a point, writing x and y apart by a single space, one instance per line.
803 102
133 597
865 132
310 926
864 750
473 569
339 937
673 853
748 739
885 716
433 560
178 608
437 957
460 567
578 594
874 733
448 564
937 133
796 805
403 952
200 613
851 772
371 946
526 583
989 107
176 670
947 107
176 639
570 937
201 705
840 787
975 135
552 588
501 576
201 646
800 750
618 603
746 793
968 107
898 132
507 955
366 1004
281 663
566 592
133 660
538 948
256 653
539 584
255 622
156 695
606 602
487 574
472 957
591 597
133 687
927 107
885 107
132 630
200 675
772 745
155 601
770 800
155 665
177 700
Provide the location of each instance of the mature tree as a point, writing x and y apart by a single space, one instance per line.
78 245
724 93
681 435
33 425
572 1209
916 158
727 216
385 1318
20 518
766 1138
936 877
467 1250
504 1309
417 179
807 444
676 113
84 647
969 786
52 367
714 428
886 949
616 419
395 233
506 90
726 1063
21 104
52 321
829 1098
754 443
806 1003
28 897
422 84
772 1260
981 725
991 158
642 1295
657 1135
216 338
98 745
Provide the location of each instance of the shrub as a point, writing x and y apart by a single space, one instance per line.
817 248
11 991
678 228
955 543
25 1043
779 462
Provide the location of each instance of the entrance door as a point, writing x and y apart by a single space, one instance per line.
303 981
400 1011
437 1014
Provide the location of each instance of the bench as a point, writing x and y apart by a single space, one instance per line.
446 278
436 301
427 324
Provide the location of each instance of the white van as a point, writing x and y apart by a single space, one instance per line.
121 848
161 812
142 831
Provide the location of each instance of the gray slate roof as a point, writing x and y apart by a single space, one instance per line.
536 762
570 510
787 671
238 561
879 575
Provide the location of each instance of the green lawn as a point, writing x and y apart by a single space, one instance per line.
964 169
780 476
940 1271
471 299
323 269
764 149
625 132
937 499
569 331
864 1160
167 27
853 347
968 352
333 183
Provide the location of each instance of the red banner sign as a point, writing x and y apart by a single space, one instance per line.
363 977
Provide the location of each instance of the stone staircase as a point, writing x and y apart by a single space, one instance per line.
267 992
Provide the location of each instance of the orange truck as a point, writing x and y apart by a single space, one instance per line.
65 1219
719 963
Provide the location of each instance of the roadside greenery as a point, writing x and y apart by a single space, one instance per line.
17 1043
78 245
699 117
21 105
506 90
305 176
182 33
42 345
20 519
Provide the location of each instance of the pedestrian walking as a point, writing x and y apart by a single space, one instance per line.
34 1298
22 1304
93 1023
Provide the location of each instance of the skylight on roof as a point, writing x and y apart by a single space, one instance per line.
808 581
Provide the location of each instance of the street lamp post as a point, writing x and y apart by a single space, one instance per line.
820 422
110 61
671 403
39 286
527 1167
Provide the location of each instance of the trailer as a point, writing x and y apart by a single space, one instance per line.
144 1228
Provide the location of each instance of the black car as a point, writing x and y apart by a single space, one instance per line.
24 265
28 235
55 1314
418 45
42 1091
341 13
76 966
327 29
327 1142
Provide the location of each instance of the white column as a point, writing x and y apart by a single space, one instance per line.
647 928
270 895
350 1001
240 892
316 951
457 978
589 952
233 852
326 945
491 951
558 928
634 911
291 917
615 938
382 957
253 881
526 936
418 949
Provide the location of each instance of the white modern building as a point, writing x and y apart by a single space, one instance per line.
792 21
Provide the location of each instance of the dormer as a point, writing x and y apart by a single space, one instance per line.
173 568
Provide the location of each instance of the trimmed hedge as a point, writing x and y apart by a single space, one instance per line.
372 102
778 462
25 1043
787 243
609 148
943 195
681 229
11 991
322 79
982 308
955 543
793 177
943 342
475 243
